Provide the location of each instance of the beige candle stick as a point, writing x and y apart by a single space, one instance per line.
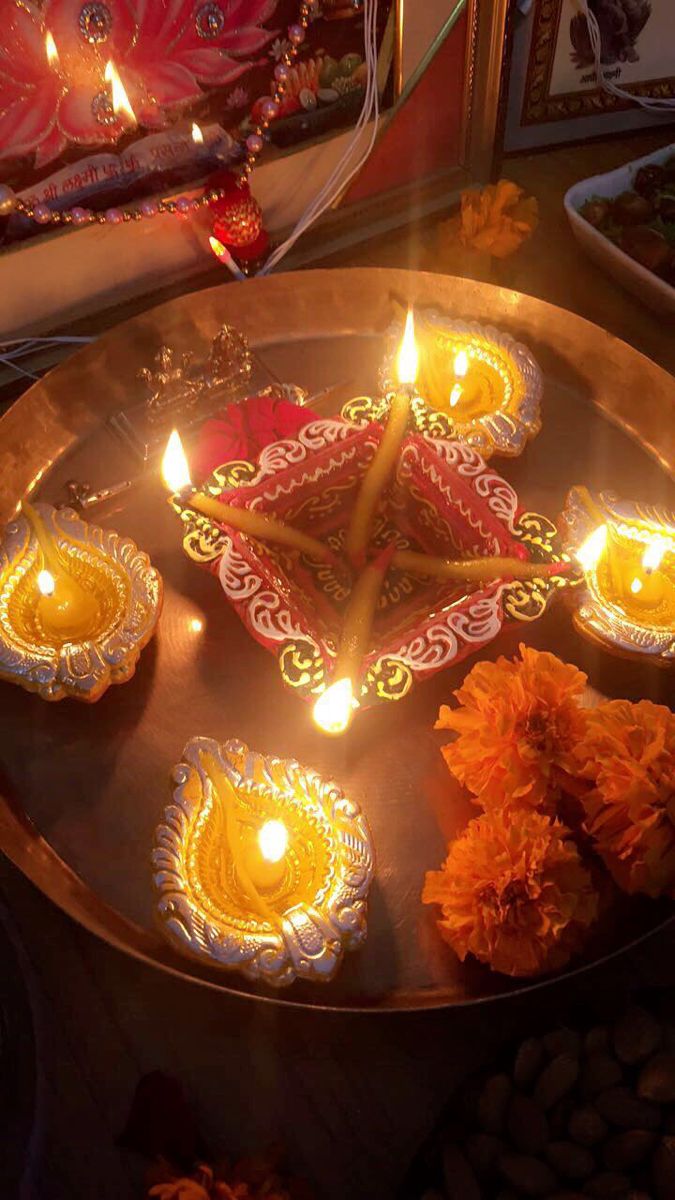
334 709
384 461
482 570
176 474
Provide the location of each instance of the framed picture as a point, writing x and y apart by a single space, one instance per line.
191 104
553 93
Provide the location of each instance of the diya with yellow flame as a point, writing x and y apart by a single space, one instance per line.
77 604
627 553
474 384
260 865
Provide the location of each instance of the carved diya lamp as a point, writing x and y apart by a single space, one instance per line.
77 604
627 554
443 500
474 384
261 866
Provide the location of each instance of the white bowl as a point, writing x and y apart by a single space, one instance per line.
644 284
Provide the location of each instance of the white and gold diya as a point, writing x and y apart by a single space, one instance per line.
627 553
475 384
77 604
260 865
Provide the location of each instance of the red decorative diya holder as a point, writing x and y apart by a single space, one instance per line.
444 500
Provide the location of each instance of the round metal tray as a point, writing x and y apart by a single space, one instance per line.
83 787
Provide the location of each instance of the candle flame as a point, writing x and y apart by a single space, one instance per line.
455 394
120 100
196 624
589 552
334 709
461 363
50 48
408 357
654 552
273 841
46 583
197 135
217 247
636 586
175 468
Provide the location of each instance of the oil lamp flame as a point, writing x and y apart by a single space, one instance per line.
217 247
636 586
175 469
120 100
408 357
50 49
589 552
197 135
461 365
334 709
654 552
46 583
273 841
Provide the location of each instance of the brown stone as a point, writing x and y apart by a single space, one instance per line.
601 1070
556 1080
625 1150
607 1185
492 1102
637 1034
460 1181
530 1176
526 1124
482 1151
527 1062
569 1160
621 1107
657 1078
586 1126
663 1169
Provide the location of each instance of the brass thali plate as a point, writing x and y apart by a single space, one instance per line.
83 787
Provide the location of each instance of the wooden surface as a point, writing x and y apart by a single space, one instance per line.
351 1097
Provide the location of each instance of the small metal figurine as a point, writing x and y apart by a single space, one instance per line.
176 386
169 386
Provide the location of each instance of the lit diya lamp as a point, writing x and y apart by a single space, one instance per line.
627 554
475 384
77 604
260 865
176 475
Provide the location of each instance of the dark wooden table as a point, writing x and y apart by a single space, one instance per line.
351 1097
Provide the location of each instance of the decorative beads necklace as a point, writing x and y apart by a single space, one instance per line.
267 109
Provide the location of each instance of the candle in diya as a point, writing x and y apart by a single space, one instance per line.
475 384
77 604
176 475
627 554
260 865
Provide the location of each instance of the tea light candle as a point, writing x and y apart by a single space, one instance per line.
385 458
335 707
176 475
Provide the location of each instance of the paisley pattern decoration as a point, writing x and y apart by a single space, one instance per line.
597 617
502 430
318 906
444 499
129 594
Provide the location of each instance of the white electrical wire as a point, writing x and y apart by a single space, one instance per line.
655 104
344 171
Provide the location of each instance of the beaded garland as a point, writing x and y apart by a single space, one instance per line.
244 216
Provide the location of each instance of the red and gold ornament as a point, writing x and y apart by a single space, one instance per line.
238 221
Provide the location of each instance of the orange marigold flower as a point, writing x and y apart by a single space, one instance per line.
514 893
518 724
629 754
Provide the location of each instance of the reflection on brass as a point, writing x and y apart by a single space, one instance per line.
313 909
127 592
174 386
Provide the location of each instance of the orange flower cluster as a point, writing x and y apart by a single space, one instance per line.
518 725
629 755
514 893
250 1179
495 220
513 890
